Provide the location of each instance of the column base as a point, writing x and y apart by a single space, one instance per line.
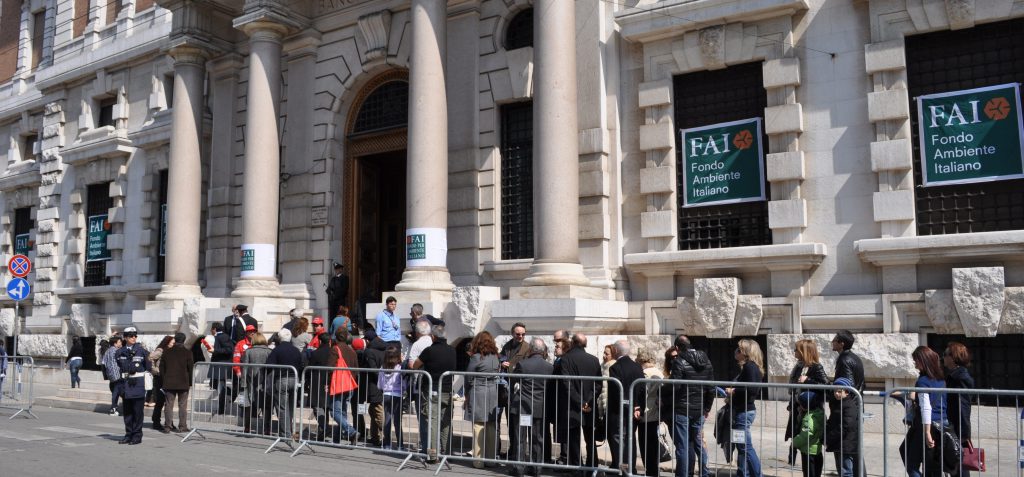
556 273
425 279
178 291
252 288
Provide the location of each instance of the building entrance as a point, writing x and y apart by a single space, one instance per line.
380 211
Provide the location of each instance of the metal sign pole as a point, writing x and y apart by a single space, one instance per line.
17 326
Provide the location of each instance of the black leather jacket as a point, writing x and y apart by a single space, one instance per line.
849 366
691 400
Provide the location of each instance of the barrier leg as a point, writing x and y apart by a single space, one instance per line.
406 461
444 463
303 444
193 431
274 444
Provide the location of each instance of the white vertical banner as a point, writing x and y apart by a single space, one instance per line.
426 247
258 260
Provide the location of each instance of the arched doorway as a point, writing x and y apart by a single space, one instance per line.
373 238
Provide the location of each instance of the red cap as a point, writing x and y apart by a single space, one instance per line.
249 328
318 320
358 344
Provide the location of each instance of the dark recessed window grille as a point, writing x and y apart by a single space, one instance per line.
711 97
519 33
995 362
386 107
98 202
517 181
106 112
162 227
944 61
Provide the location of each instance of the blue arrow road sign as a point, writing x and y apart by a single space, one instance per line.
18 289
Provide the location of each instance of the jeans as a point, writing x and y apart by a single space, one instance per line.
341 403
285 400
687 437
74 365
846 463
392 418
747 463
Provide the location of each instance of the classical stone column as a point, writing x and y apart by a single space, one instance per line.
183 176
427 164
555 147
262 163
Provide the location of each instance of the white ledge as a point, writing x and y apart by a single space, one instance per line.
941 248
508 269
674 17
110 292
99 143
800 256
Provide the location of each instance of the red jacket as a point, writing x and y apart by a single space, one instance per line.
240 349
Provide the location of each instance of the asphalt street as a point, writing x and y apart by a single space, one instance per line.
76 443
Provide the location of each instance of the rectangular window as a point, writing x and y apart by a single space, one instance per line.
38 26
98 204
162 228
30 147
23 225
10 31
105 116
517 181
710 97
169 90
984 55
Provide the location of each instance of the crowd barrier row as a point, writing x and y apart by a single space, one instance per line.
17 378
586 425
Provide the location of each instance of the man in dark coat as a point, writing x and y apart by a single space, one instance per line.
337 291
527 411
318 386
626 371
223 350
372 357
850 368
176 370
234 325
577 400
688 405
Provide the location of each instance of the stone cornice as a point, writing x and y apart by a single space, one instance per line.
800 256
110 292
674 17
22 178
265 20
941 248
114 143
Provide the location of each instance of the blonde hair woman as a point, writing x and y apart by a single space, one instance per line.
751 360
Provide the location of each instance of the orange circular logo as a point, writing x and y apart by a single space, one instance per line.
997 108
743 140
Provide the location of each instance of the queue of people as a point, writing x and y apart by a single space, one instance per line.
577 414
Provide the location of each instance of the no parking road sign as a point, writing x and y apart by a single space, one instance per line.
18 289
19 265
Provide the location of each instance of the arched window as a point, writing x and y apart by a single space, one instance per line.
519 33
387 107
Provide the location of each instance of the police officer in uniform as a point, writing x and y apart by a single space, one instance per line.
132 359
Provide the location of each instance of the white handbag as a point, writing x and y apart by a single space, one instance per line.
148 377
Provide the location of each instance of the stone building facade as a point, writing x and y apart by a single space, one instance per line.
167 159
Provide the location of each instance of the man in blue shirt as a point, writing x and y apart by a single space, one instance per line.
387 325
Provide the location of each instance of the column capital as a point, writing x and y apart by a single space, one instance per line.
188 54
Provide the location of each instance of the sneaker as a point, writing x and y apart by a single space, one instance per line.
113 412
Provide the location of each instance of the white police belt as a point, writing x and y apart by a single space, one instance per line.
132 375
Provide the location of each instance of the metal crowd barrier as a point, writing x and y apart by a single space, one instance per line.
995 426
388 424
245 402
664 434
518 425
17 377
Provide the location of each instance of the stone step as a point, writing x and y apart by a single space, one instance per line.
74 404
85 393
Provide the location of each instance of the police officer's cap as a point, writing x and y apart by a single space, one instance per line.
131 331
338 265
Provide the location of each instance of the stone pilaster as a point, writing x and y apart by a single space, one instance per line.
555 148
184 189
261 190
427 164
48 227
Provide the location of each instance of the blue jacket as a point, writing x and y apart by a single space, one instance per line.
134 363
